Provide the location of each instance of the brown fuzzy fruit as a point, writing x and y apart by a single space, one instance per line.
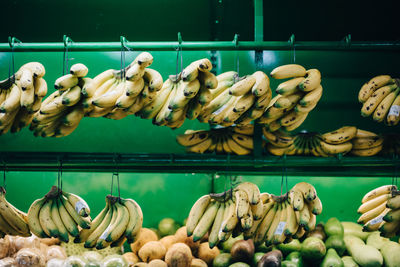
206 253
181 237
198 263
131 258
145 235
151 251
168 241
157 263
179 255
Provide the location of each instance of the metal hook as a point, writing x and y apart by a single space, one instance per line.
123 40
292 40
236 40
179 38
179 53
59 176
66 40
11 42
236 43
347 39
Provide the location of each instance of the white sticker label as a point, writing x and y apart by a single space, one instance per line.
220 109
394 111
280 228
378 219
105 233
79 206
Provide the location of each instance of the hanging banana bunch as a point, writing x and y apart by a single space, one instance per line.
380 210
119 221
12 220
380 97
58 214
295 97
62 111
231 140
261 217
21 97
237 100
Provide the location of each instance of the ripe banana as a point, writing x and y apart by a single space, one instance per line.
243 86
368 88
288 71
339 136
373 101
311 81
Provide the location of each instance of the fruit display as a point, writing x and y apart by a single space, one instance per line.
295 97
380 210
229 140
21 97
12 221
381 99
237 100
119 221
62 111
58 214
262 217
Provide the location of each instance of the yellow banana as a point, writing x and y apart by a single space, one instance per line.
135 219
375 223
213 235
12 101
367 152
261 86
55 215
340 135
196 213
36 68
393 117
206 221
342 148
91 240
243 140
144 59
89 89
289 87
368 88
385 189
74 214
118 228
383 108
266 223
79 70
84 233
288 101
274 224
208 79
231 219
392 215
311 81
371 214
33 218
65 82
367 142
288 71
236 148
243 86
135 72
312 98
40 86
110 98
46 220
26 79
315 206
71 96
27 97
373 101
394 202
153 78
192 138
279 233
244 102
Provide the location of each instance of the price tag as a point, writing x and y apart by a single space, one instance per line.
105 233
218 111
394 110
280 228
378 219
79 206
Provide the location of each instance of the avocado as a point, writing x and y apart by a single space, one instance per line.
222 260
333 227
313 248
332 259
336 242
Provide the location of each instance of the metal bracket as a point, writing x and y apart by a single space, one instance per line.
12 41
292 40
123 41
236 40
66 40
347 40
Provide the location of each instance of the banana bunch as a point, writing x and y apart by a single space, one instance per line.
58 214
381 99
62 111
222 215
12 220
338 141
21 97
295 97
286 217
366 144
230 140
115 94
237 100
380 210
120 220
391 144
182 96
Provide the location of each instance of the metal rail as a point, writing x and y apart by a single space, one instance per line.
208 163
212 45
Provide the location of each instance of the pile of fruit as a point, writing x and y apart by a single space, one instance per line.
380 210
21 97
262 217
381 99
296 97
232 139
341 141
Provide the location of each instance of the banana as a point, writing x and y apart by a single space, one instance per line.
340 135
216 103
206 221
367 152
89 89
46 220
228 76
261 86
55 215
218 116
84 233
78 203
389 227
135 72
91 240
196 213
252 193
393 117
65 82
27 97
79 70
33 218
208 79
160 118
74 214
243 103
231 219
192 138
71 96
135 219
74 116
144 59
383 108
118 228
257 210
291 118
367 142
289 87
190 89
315 206
292 225
375 223
243 86
296 199
288 71
342 148
278 235
179 100
236 148
274 224
64 130
219 217
311 81
247 129
246 222
251 233
12 101
371 214
5 228
101 242
300 233
368 88
243 140
365 134
110 98
153 78
13 216
394 202
54 107
40 86
308 191
305 216
392 215
242 203
203 64
311 98
288 101
190 73
266 223
276 151
201 147
36 68
263 101
26 79
373 101
385 189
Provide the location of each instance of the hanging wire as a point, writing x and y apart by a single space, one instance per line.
59 175
292 42
236 41
123 49
179 54
116 174
284 178
4 175
66 59
11 66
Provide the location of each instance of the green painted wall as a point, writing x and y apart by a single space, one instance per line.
172 195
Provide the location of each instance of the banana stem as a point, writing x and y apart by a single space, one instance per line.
53 193
222 197
280 199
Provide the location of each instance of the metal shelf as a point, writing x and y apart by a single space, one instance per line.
211 45
206 163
